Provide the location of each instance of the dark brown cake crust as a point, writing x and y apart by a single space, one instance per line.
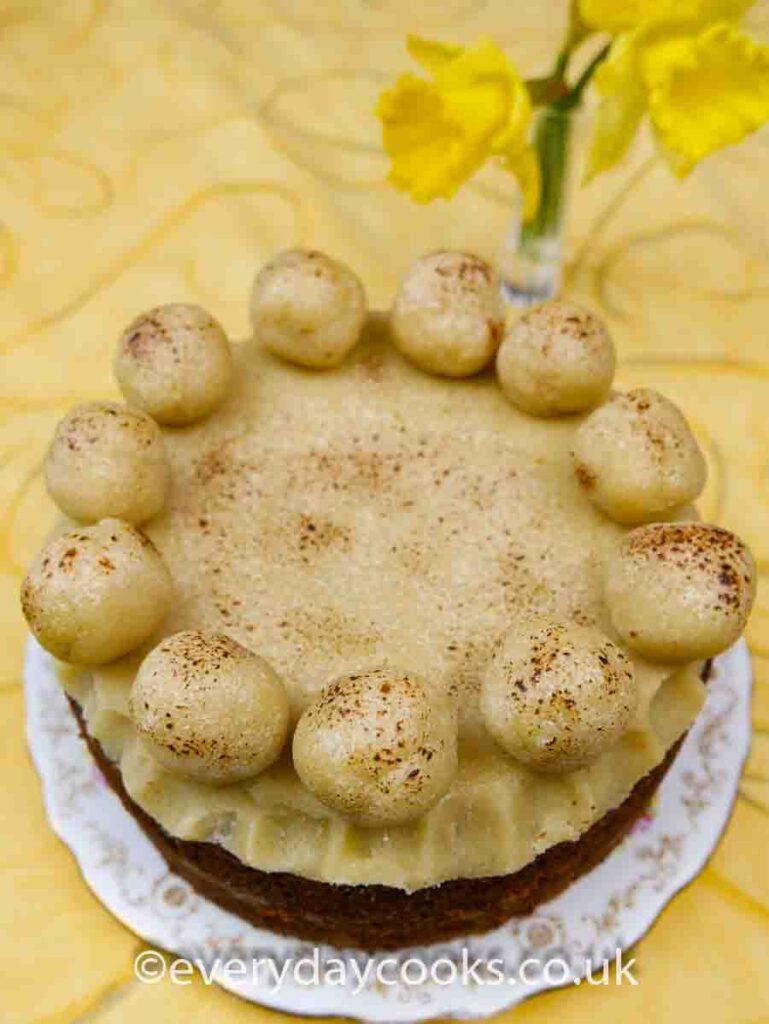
373 917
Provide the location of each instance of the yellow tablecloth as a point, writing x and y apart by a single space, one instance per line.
154 151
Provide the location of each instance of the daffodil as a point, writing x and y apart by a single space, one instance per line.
615 16
682 65
702 82
439 132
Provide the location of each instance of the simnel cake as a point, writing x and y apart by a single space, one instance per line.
384 627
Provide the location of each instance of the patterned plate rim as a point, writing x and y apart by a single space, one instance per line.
609 909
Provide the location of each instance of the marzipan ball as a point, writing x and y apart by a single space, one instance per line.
208 708
557 695
175 363
556 359
679 592
379 747
637 459
107 460
448 316
308 308
96 593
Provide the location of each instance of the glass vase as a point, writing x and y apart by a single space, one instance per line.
531 264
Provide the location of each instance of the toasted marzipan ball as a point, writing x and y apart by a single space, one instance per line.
557 695
556 359
96 593
175 363
678 592
379 747
208 708
637 459
308 308
107 460
448 316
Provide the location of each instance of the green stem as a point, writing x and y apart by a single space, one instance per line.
554 89
577 30
561 63
574 96
551 143
552 131
547 90
544 91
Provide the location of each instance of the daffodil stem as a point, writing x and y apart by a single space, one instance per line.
551 143
574 96
554 89
532 268
535 265
544 91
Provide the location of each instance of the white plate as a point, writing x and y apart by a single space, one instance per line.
609 909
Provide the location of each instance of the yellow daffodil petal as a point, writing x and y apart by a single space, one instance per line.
484 71
705 92
616 122
437 133
615 16
431 54
622 105
514 131
524 165
431 157
707 11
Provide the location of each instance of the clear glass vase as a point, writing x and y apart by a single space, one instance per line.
531 263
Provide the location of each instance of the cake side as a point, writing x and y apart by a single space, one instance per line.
498 816
378 917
